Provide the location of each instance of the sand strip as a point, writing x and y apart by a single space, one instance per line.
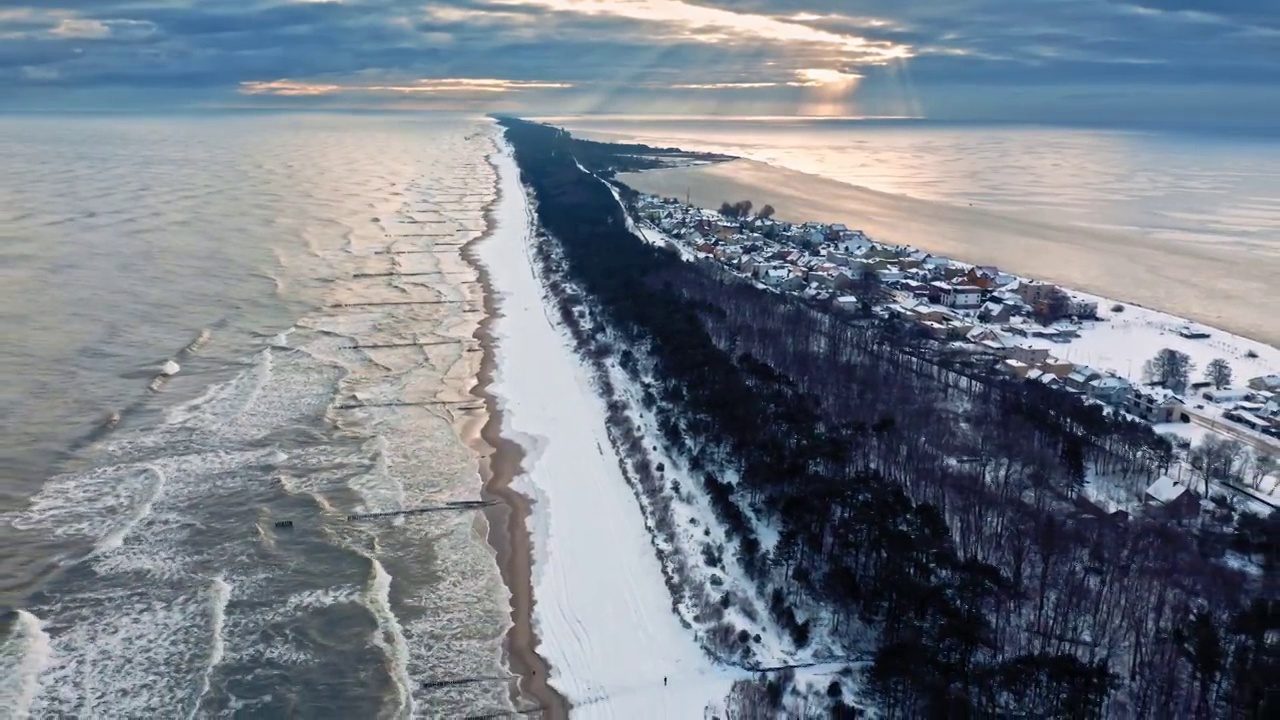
508 531
1224 285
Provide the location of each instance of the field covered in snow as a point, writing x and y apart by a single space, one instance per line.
1123 341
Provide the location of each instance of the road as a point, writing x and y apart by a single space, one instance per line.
1223 427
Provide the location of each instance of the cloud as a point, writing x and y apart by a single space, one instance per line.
766 56
431 86
75 28
704 24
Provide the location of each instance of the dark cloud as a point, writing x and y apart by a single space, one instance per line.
960 51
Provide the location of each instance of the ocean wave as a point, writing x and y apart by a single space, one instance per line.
26 653
113 539
389 636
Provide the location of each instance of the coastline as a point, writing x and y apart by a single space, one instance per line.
603 609
500 460
1218 286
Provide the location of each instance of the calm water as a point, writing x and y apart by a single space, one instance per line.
143 575
1171 186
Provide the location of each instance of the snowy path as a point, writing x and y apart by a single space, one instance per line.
602 611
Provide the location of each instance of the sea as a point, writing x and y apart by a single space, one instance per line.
1166 183
191 411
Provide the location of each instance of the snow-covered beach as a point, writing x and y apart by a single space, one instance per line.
601 609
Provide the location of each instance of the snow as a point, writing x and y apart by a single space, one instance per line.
1165 490
1190 433
602 610
1123 341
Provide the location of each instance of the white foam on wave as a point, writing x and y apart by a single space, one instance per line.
134 661
224 400
219 596
113 539
281 339
379 489
27 652
389 637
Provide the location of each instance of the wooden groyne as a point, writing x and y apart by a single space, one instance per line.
460 404
399 302
454 505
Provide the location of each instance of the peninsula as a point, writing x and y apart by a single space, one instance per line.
834 498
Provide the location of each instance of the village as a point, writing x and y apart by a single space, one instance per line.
1028 329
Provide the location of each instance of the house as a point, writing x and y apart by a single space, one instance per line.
853 242
1055 367
916 289
1082 308
1080 377
996 312
1265 382
924 312
847 303
982 276
957 296
1248 419
1225 395
1173 497
1031 291
1109 389
1016 368
1050 380
1154 404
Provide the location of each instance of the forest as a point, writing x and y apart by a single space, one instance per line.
929 510
606 159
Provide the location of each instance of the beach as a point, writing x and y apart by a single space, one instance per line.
601 608
1227 286
500 459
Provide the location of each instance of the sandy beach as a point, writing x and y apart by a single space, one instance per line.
507 523
1225 286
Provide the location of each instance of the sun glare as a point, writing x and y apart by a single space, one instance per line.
823 77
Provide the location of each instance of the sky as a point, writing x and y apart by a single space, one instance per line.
1011 60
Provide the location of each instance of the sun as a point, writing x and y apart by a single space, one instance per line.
826 77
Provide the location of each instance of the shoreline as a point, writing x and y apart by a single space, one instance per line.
1212 285
500 460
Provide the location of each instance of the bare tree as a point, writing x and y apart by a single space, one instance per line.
1218 372
766 212
1216 458
1170 369
1264 463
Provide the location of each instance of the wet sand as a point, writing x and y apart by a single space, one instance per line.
1223 285
507 522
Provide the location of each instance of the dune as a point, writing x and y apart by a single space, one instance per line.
1223 285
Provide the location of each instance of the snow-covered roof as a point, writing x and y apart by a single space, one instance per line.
1165 490
1160 395
1267 381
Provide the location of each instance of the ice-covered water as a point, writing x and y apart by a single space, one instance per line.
148 576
